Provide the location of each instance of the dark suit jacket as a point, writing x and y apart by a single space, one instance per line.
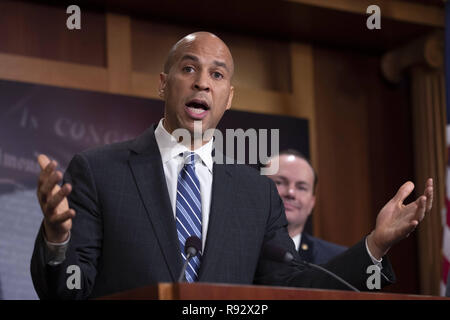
124 233
318 251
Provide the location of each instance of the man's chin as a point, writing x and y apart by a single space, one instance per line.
191 133
196 127
292 214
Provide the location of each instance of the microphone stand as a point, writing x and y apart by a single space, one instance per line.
315 266
181 278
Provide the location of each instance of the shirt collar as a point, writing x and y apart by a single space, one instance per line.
297 240
170 148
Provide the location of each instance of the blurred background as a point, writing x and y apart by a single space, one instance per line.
374 99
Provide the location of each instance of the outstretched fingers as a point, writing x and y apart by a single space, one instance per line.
429 192
46 188
43 161
53 201
403 192
62 217
46 171
419 213
58 197
415 211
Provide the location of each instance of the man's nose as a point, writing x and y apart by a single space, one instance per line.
289 192
201 82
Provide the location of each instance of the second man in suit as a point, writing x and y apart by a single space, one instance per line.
296 182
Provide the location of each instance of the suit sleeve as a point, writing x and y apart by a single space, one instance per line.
351 265
51 282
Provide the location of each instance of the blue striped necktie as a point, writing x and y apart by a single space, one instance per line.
189 211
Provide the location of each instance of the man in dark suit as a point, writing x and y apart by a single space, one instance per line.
318 251
124 212
296 182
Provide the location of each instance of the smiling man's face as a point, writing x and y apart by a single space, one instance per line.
196 84
295 184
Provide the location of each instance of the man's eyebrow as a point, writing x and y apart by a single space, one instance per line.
221 64
189 57
196 59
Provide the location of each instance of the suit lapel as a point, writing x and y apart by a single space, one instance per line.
306 248
221 199
146 165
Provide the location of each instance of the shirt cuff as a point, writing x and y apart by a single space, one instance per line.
56 252
376 262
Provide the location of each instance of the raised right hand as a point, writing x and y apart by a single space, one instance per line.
53 201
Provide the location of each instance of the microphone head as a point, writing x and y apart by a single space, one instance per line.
193 245
277 254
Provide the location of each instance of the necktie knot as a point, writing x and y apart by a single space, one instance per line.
190 158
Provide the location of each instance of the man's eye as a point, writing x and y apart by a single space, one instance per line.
188 69
217 75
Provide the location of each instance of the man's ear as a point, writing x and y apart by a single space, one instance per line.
162 84
230 97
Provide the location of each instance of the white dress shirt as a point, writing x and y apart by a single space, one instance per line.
297 239
173 163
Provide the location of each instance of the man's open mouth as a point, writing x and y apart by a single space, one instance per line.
197 109
197 106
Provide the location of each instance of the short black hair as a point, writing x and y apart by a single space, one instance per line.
298 154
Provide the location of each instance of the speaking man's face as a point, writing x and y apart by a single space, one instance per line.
295 184
197 86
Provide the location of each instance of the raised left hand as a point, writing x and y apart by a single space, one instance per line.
396 220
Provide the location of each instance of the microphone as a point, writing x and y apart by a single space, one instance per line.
278 254
192 247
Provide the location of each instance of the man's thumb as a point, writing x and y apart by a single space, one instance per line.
404 191
43 161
